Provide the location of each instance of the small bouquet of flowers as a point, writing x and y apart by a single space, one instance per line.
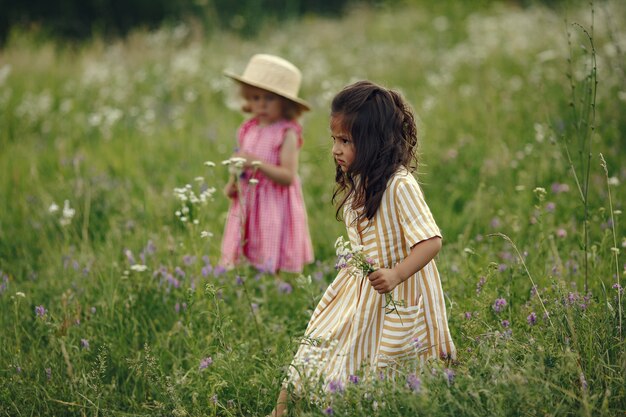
353 257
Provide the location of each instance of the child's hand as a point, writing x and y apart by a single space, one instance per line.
230 190
384 280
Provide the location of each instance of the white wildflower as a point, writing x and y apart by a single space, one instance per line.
614 181
210 164
53 208
199 179
20 294
205 234
139 268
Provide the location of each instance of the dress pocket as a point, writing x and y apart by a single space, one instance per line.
402 334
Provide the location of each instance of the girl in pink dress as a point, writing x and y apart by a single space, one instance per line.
267 219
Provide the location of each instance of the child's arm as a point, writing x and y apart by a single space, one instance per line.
284 173
385 280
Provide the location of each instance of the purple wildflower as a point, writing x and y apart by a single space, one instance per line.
284 288
559 188
502 267
499 305
505 323
353 379
206 270
532 318
239 280
179 271
218 270
214 398
150 249
550 206
468 315
205 363
84 343
495 222
335 386
616 287
480 284
129 256
5 282
40 311
417 344
449 374
177 307
414 383
561 233
189 260
583 382
329 411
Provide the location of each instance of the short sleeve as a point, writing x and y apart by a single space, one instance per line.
415 218
291 125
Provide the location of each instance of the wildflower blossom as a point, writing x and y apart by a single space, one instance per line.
138 268
67 214
205 363
284 288
40 311
505 323
329 411
84 343
449 375
468 315
53 208
353 379
499 305
480 284
532 319
335 386
414 383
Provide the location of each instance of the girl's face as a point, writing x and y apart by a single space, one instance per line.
266 106
344 150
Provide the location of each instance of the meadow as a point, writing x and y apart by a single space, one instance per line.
111 303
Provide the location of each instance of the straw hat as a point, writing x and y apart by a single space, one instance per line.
274 74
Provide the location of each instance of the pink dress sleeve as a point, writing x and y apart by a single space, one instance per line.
295 126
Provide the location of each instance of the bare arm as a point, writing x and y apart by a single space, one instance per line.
385 280
286 171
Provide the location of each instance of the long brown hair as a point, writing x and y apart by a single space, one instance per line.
382 127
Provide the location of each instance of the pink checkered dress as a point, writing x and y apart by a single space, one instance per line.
276 234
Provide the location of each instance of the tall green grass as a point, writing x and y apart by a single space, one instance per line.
503 95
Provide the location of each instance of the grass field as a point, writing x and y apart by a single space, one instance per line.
113 306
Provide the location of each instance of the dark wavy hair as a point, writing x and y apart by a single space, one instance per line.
382 126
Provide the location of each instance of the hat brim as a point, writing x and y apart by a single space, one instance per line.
297 100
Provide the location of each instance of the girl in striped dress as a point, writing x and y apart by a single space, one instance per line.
353 329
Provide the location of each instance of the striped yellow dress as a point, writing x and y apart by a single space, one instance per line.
350 329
